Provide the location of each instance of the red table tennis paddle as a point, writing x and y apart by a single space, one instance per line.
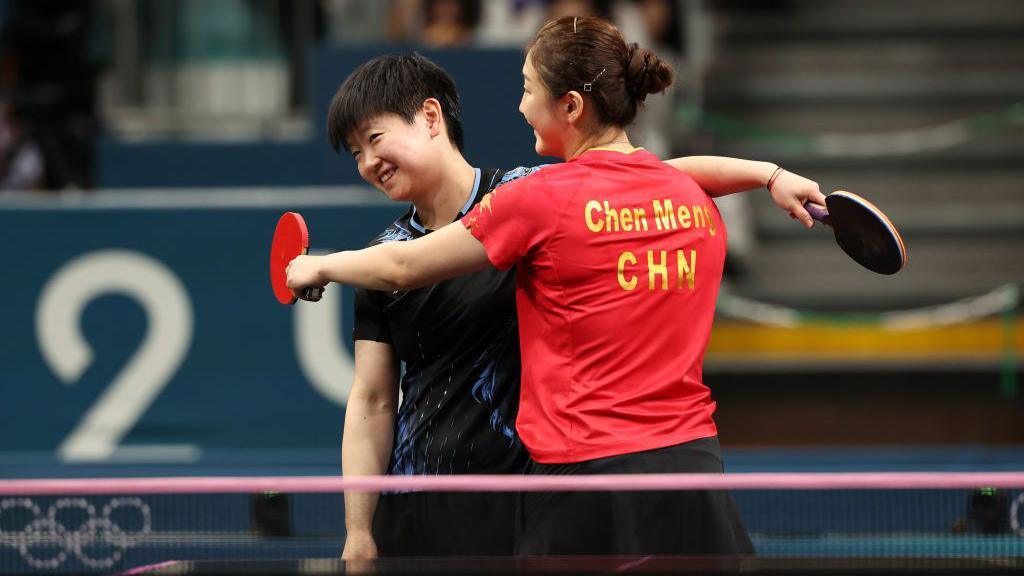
291 239
862 231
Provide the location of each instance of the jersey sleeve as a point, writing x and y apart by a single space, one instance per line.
513 219
517 173
370 321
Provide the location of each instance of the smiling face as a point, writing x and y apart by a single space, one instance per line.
541 111
394 155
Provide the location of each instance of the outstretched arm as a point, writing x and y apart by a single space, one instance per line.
720 176
449 252
453 251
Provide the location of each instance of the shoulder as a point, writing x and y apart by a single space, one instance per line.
539 179
398 230
507 176
647 168
541 190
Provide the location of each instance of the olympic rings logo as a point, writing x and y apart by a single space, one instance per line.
72 527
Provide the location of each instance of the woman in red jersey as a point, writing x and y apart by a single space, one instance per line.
619 259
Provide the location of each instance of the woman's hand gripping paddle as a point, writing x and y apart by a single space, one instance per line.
862 231
291 239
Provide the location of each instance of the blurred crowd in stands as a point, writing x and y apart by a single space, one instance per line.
452 23
47 86
657 24
56 53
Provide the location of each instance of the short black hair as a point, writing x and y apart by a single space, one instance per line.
396 84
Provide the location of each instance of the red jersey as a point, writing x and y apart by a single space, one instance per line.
619 260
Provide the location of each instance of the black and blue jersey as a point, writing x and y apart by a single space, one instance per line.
459 344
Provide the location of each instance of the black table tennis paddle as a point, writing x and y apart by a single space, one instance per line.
862 231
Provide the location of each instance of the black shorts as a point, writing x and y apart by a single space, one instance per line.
445 524
638 522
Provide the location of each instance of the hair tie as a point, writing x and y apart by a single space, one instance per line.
574 19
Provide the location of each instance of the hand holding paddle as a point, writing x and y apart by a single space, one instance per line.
291 240
862 231
792 192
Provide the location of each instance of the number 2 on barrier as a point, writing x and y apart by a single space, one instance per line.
168 334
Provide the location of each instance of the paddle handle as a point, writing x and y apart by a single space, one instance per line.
818 213
310 294
313 293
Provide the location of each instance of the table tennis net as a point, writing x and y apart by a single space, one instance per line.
49 531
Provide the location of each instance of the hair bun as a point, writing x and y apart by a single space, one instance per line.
646 73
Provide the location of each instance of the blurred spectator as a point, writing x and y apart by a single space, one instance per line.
513 22
436 23
49 88
450 23
21 162
404 21
662 22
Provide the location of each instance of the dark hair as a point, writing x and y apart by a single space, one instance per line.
392 84
576 53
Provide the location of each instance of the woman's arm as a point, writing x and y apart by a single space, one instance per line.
368 438
720 176
449 252
453 251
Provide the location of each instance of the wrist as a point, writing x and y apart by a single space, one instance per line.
770 183
358 531
323 265
320 272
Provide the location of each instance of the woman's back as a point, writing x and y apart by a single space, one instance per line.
620 258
